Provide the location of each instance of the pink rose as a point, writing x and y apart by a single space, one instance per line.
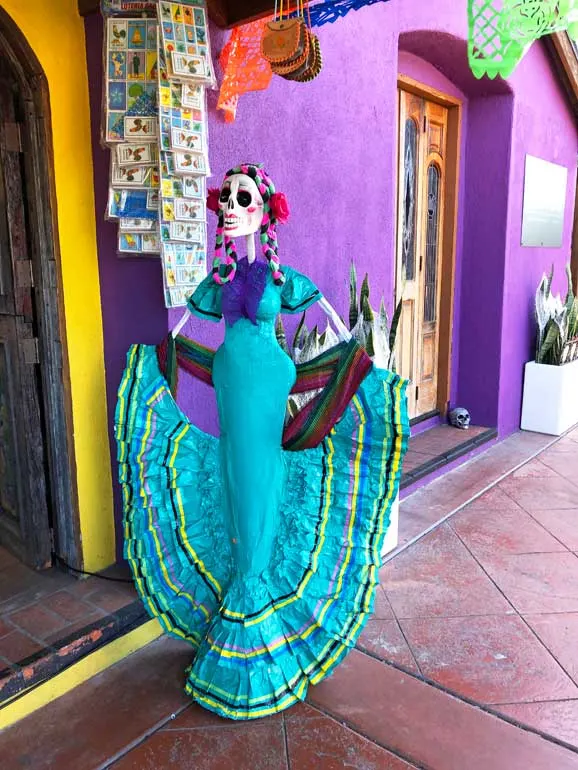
213 199
280 208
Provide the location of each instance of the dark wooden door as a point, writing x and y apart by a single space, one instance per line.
24 511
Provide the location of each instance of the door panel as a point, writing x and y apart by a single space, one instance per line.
420 204
24 514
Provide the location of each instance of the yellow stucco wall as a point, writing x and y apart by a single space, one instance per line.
55 32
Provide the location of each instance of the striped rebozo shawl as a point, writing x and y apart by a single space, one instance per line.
337 373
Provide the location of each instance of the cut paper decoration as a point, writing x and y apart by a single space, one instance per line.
500 32
243 66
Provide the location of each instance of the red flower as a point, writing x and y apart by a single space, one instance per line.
213 199
280 208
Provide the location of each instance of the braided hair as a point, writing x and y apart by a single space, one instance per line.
225 267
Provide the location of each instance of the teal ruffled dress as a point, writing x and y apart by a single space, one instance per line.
266 560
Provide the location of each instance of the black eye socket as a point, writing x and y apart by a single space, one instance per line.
244 198
225 193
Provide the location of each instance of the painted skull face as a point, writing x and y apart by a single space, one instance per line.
242 205
460 418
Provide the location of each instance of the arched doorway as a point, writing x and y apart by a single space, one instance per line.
37 510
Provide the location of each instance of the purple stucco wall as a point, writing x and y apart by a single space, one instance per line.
131 290
330 146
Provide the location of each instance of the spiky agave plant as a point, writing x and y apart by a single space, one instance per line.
371 329
557 322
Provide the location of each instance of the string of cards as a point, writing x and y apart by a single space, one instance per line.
157 69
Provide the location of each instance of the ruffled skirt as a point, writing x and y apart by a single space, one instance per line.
259 641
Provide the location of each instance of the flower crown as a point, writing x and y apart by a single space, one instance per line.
278 202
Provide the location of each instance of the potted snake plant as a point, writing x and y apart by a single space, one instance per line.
372 329
550 402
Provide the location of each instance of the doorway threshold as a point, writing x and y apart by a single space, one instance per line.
433 449
51 620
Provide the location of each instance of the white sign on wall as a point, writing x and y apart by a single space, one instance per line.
544 203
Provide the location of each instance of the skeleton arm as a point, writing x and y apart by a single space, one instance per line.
342 330
176 330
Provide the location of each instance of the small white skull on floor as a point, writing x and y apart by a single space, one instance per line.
460 418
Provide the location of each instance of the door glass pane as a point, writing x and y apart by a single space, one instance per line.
409 200
432 244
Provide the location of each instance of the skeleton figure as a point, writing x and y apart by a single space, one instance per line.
242 206
460 418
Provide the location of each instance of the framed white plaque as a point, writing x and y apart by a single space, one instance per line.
544 203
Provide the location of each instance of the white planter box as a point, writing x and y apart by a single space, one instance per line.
392 535
550 402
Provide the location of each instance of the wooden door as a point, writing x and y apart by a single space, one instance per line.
24 513
421 178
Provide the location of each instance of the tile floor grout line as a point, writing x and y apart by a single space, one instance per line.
348 726
486 708
344 721
409 647
533 702
285 740
495 483
516 611
544 527
108 763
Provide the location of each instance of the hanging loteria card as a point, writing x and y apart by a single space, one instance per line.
190 163
193 96
140 128
137 154
176 254
135 176
187 210
131 75
131 225
183 231
130 204
187 140
185 42
150 243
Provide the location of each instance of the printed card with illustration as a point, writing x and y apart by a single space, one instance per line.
131 79
137 154
144 177
179 254
184 231
139 243
132 225
187 210
193 96
183 186
129 204
185 41
190 163
184 267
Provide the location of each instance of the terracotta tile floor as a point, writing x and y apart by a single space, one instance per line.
470 661
38 609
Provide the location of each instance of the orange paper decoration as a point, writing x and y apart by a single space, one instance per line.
243 65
